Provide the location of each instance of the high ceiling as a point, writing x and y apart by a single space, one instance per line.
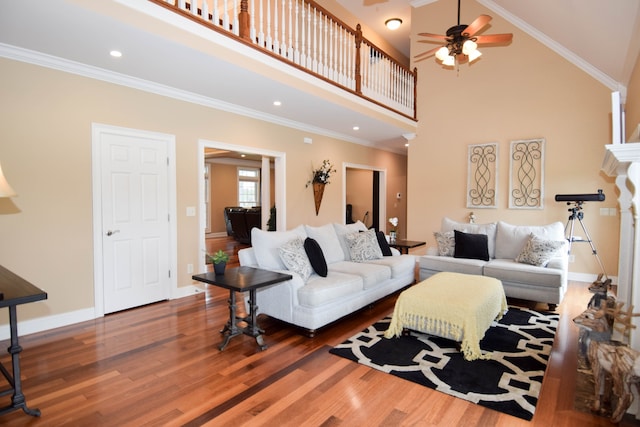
601 36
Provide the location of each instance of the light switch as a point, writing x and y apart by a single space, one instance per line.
191 211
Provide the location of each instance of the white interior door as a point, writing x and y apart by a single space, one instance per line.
134 175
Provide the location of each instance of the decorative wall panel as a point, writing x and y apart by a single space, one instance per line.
482 176
526 175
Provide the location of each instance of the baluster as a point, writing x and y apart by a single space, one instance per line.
296 36
261 21
182 4
290 52
216 15
314 65
205 10
236 22
276 42
225 16
252 19
269 37
194 7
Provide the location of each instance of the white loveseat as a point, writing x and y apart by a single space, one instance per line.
347 287
512 258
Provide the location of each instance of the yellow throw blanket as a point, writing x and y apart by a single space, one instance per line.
456 306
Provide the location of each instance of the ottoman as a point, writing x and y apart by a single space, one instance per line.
456 306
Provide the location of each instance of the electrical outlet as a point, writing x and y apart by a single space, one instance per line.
572 258
190 268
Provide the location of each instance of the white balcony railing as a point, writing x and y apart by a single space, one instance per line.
304 34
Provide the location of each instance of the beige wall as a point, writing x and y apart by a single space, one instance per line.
632 107
223 193
516 92
46 231
360 194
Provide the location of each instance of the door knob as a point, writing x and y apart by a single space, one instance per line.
109 233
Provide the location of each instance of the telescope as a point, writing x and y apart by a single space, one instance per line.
579 198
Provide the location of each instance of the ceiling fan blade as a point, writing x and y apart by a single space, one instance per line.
477 25
426 54
434 36
494 38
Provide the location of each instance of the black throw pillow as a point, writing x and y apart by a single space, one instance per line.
316 257
384 245
472 246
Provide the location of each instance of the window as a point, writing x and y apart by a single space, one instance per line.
248 187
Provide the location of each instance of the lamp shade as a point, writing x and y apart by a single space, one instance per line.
393 23
5 188
474 54
469 46
449 61
442 53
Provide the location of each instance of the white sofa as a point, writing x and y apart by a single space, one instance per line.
508 260
347 287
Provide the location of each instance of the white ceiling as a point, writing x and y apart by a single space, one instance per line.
602 36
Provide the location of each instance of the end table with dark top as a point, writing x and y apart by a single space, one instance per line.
404 245
242 279
15 290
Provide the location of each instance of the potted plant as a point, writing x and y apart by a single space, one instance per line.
219 260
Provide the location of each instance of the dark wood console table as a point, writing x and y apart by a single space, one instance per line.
242 279
14 290
404 245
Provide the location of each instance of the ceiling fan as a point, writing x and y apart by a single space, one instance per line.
462 41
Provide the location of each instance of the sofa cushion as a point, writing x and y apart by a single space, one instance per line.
539 251
455 265
399 265
372 274
328 240
489 229
510 239
508 270
472 246
446 242
266 246
316 257
363 246
342 230
295 258
384 245
325 290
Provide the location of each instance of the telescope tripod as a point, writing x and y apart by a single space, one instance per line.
603 281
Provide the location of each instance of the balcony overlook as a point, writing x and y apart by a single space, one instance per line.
236 55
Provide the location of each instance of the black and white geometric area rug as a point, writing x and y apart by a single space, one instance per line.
510 382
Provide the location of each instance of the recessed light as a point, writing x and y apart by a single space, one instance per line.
277 103
356 128
115 53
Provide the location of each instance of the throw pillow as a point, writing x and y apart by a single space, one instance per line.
446 243
471 246
295 258
327 238
539 251
384 245
363 246
316 257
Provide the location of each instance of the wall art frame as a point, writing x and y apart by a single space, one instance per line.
526 174
482 176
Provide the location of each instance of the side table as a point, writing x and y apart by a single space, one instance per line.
404 245
242 279
14 290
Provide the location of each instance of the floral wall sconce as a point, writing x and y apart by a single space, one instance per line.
320 177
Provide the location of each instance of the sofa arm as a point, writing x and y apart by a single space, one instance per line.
279 299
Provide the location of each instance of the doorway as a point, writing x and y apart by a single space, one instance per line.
368 202
266 156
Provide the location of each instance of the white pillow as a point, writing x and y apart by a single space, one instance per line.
489 229
342 230
510 239
363 246
538 251
266 244
328 240
446 243
295 258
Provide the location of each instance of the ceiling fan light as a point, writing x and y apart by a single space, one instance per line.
449 61
442 53
469 46
474 54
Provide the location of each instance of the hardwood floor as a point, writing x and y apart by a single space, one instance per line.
160 365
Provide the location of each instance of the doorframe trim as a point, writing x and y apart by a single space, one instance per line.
97 129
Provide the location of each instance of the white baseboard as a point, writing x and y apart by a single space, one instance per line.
589 278
46 323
